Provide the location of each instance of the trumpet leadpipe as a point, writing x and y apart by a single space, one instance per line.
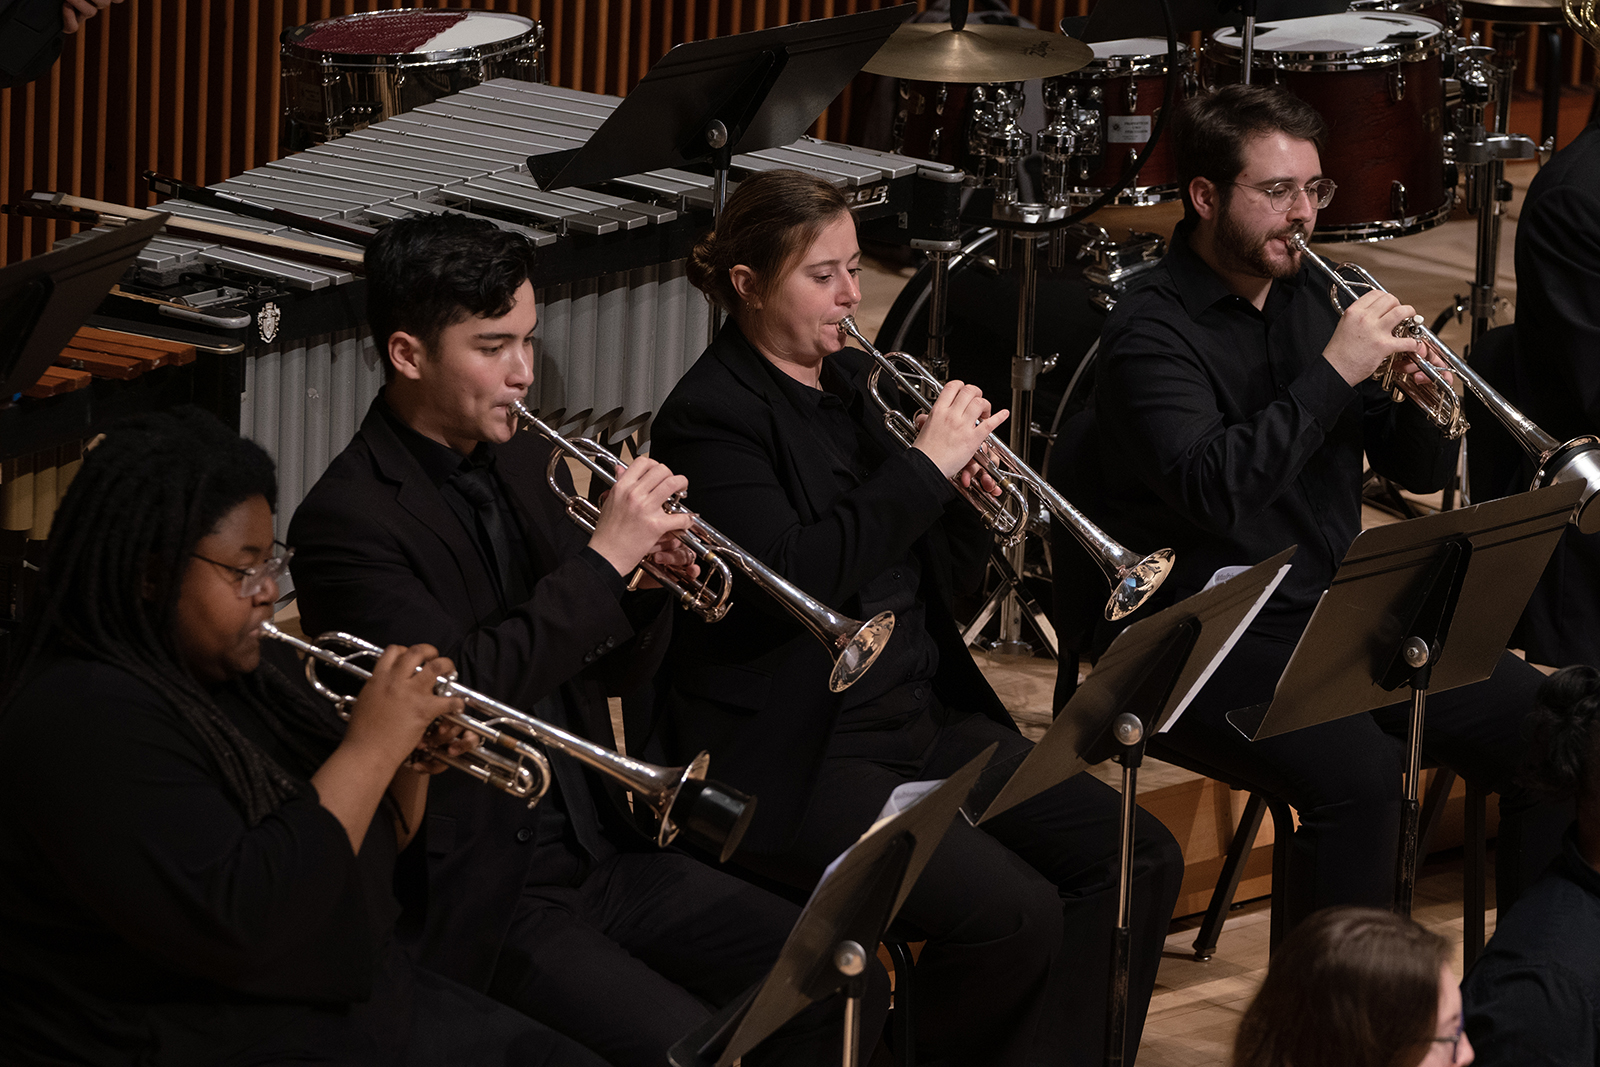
510 754
854 645
1554 461
1133 578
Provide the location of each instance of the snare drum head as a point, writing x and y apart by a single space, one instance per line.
405 32
1348 37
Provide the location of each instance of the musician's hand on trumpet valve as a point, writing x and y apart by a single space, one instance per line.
388 724
634 525
1368 333
954 432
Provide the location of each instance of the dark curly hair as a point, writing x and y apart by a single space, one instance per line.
1562 737
108 591
769 221
431 271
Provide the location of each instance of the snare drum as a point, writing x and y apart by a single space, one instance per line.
1376 79
1115 101
341 74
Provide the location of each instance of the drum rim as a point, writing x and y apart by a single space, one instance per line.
532 32
1138 196
1386 229
1121 64
1357 58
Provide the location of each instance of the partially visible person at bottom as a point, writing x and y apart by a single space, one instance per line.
1356 987
1534 996
196 853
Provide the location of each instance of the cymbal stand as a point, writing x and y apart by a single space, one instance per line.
999 145
1485 76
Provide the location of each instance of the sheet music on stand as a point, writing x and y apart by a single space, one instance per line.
856 898
1211 622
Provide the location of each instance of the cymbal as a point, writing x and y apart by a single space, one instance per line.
932 51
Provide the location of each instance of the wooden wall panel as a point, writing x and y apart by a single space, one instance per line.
191 87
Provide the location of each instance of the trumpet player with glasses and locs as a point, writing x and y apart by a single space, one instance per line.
206 879
787 453
1233 404
437 524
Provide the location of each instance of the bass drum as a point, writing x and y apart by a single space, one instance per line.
981 327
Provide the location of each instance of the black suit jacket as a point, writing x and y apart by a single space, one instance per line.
378 553
753 688
1557 377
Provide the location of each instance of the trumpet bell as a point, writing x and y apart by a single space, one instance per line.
713 814
857 654
1576 461
1135 584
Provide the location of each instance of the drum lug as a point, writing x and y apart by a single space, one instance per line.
941 98
1133 96
1397 84
1397 199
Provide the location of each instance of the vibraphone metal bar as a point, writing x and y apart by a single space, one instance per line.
618 321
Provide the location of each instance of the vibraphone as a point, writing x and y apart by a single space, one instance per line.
618 321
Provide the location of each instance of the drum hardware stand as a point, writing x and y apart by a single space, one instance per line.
1483 153
1144 679
827 951
939 255
1247 50
1451 586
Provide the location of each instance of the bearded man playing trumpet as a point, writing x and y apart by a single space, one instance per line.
789 457
437 521
1232 408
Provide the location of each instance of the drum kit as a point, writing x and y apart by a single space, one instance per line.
1411 106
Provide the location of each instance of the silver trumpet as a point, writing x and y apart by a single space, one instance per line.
511 751
854 645
1132 578
1554 461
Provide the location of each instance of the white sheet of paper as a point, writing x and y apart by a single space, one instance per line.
1222 575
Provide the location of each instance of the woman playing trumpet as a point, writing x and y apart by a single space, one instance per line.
788 457
202 875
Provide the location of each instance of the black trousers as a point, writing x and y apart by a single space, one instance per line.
1343 778
451 1024
1018 915
637 951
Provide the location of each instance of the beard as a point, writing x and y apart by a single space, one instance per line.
1246 252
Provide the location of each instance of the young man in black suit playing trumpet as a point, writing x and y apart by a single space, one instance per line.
436 525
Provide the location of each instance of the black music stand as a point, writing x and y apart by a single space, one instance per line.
827 950
1427 604
1138 687
43 300
707 100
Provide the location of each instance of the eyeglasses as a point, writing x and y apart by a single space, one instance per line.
254 579
1454 1041
1282 195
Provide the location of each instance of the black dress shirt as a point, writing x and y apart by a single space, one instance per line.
896 686
142 919
1225 434
564 835
1533 999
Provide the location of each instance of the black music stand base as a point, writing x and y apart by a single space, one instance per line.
1129 731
